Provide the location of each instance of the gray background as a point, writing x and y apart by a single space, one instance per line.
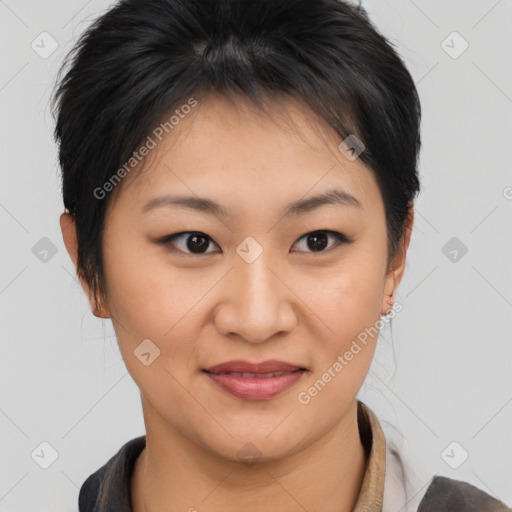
443 376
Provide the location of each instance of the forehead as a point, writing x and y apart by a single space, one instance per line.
224 146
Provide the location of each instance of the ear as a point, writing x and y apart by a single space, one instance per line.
396 272
68 228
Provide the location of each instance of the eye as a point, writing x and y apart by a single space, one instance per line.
318 240
190 242
195 242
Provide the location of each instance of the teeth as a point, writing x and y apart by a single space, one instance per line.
258 375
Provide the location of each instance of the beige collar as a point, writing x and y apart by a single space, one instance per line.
372 489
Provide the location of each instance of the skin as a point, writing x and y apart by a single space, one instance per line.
292 304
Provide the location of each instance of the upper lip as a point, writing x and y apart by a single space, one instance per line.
240 366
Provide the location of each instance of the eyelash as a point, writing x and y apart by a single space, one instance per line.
340 237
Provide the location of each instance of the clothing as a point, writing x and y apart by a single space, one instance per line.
385 487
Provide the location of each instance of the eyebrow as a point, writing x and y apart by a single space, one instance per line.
202 204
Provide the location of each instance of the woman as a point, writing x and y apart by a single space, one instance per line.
239 181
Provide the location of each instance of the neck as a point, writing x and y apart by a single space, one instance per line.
174 473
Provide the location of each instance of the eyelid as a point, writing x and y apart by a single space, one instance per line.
341 239
167 240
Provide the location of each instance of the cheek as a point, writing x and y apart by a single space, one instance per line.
150 300
144 288
349 307
347 298
347 301
150 304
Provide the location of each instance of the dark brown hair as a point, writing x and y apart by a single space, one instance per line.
142 59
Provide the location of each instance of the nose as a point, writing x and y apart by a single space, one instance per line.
256 302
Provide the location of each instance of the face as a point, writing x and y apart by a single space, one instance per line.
253 280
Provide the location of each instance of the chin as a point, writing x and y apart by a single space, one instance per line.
256 445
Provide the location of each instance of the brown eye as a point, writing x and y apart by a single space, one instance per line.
191 242
317 241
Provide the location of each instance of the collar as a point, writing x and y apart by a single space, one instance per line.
372 437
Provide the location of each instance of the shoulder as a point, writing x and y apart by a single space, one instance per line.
108 488
448 495
405 481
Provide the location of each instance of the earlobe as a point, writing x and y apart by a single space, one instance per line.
395 275
68 228
388 299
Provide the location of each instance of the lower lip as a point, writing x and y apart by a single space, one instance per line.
256 388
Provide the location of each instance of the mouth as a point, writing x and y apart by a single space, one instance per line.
255 375
255 381
265 367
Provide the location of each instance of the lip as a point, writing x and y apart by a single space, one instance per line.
241 366
251 387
